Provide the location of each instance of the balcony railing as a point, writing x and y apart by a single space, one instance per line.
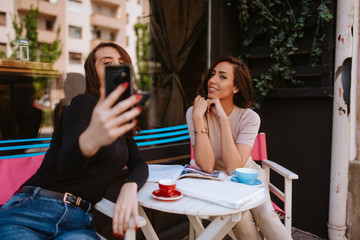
105 21
46 36
45 8
107 2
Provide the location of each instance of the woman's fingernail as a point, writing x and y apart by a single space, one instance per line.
121 236
136 228
115 235
138 96
125 84
139 108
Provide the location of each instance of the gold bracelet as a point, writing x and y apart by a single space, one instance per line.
203 131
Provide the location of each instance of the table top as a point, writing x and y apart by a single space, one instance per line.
189 205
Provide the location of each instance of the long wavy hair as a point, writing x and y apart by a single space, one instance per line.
91 77
244 98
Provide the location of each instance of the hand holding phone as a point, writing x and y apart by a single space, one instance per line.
115 75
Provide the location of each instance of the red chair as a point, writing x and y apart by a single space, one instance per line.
259 153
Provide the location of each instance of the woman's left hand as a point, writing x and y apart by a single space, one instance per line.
215 107
126 207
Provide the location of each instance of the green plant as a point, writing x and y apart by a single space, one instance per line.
282 24
142 55
31 31
324 17
51 52
18 27
2 55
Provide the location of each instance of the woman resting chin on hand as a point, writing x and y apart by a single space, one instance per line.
223 129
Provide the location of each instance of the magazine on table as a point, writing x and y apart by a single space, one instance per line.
176 172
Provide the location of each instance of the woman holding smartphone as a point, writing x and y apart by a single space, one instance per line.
223 129
90 146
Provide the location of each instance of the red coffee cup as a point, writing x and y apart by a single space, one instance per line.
167 187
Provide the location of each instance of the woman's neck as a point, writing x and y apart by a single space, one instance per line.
228 106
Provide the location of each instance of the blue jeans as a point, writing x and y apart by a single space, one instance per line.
29 216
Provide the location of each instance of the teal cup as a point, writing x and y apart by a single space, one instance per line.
245 175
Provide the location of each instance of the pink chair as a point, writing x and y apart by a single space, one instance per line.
259 153
14 172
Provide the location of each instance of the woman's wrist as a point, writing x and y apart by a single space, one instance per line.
224 119
130 186
87 144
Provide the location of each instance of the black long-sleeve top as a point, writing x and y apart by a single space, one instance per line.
66 169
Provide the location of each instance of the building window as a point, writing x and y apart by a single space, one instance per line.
127 40
97 34
48 25
74 32
127 18
2 50
2 18
75 58
74 6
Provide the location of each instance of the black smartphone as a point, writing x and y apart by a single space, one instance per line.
116 75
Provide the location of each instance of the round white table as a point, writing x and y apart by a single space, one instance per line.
223 218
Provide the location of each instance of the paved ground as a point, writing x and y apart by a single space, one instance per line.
301 235
296 234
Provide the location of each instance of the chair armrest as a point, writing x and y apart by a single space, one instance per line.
280 169
107 207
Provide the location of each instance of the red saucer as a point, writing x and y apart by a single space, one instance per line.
177 195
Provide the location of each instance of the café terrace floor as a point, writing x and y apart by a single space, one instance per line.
296 235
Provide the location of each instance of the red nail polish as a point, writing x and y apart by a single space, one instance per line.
121 236
136 228
115 235
138 96
139 108
125 84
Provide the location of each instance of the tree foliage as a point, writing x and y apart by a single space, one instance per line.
282 24
31 31
143 56
49 52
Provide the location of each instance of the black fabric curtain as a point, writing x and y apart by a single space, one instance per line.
175 25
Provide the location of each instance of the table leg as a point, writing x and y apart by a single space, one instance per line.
219 227
195 224
148 229
192 234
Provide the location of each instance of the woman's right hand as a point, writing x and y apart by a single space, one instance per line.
200 107
109 122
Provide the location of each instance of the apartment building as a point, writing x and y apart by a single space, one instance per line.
83 24
6 32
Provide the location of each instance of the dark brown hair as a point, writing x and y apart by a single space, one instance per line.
244 98
91 77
